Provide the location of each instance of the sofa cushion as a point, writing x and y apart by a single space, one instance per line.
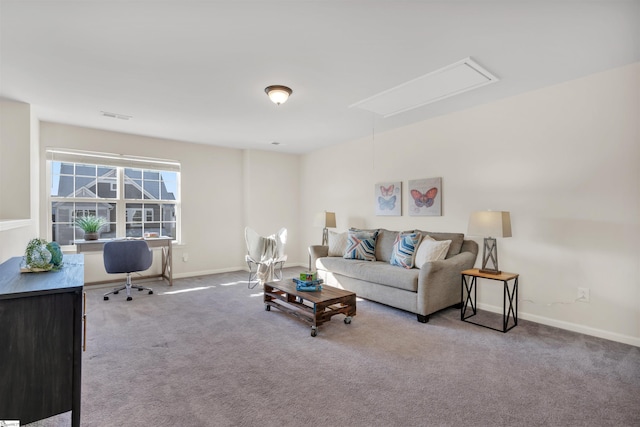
371 230
404 249
431 250
379 272
384 244
337 243
361 245
456 240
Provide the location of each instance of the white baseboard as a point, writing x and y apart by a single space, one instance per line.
228 270
574 327
207 272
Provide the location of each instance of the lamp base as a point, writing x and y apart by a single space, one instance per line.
490 256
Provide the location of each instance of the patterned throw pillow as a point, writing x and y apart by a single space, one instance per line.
431 250
337 243
361 245
404 249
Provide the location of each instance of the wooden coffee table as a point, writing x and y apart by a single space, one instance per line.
315 308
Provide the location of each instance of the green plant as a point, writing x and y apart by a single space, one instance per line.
91 223
37 256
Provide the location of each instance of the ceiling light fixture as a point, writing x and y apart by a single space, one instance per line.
278 93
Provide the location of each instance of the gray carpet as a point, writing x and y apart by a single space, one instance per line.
206 353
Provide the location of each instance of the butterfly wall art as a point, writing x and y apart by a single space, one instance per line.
388 198
425 197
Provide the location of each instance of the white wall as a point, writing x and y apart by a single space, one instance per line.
271 192
213 188
18 177
563 160
15 179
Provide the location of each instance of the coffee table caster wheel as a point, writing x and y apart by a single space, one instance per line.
347 320
314 331
267 307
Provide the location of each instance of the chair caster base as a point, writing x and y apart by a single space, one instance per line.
129 298
150 292
106 298
116 292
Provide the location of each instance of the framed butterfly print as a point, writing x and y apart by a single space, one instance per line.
388 198
425 197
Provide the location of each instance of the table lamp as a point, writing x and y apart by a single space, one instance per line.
490 224
325 220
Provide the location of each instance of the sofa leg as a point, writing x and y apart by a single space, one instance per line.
422 318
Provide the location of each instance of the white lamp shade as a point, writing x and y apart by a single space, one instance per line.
489 224
325 220
330 220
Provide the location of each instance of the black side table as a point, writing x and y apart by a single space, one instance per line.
469 291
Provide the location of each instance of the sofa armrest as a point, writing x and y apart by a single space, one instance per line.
315 252
439 282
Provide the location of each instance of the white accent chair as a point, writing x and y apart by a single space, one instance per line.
265 256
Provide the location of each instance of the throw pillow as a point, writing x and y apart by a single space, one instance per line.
431 250
337 243
457 239
404 249
361 245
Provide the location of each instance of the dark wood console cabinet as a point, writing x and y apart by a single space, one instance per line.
41 341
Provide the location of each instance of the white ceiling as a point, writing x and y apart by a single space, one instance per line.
196 70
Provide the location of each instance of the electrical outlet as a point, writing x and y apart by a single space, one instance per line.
583 294
185 257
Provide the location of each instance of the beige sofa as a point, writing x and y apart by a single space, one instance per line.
433 286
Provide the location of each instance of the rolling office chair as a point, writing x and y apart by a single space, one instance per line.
127 256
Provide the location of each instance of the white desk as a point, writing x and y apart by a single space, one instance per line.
165 243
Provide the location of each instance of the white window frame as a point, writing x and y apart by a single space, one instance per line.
131 212
121 163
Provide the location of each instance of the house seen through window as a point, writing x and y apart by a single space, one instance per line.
135 202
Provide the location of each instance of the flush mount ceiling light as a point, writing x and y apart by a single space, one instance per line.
448 81
278 94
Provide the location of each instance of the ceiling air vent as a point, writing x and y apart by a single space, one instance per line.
448 81
115 115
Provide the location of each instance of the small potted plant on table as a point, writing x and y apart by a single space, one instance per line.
91 225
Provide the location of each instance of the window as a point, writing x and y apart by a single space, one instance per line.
134 200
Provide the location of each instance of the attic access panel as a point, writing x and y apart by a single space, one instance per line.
448 81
